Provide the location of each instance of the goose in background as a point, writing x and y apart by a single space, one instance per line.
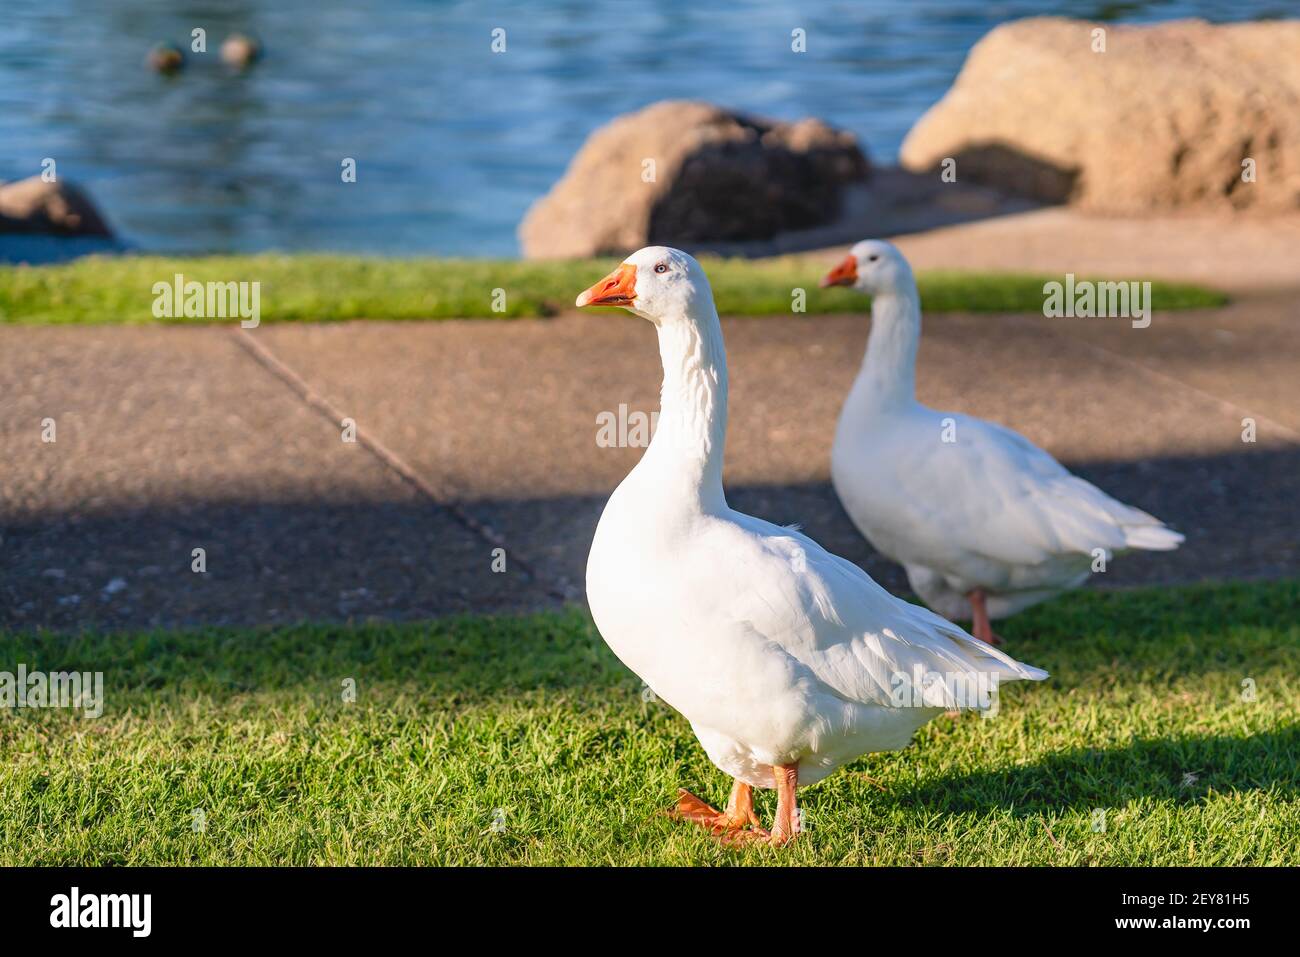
984 522
787 661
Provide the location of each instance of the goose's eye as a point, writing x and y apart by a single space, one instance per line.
873 257
662 267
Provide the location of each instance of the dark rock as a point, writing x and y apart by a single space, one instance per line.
717 176
60 209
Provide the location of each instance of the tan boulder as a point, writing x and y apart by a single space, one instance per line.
1163 118
680 172
34 206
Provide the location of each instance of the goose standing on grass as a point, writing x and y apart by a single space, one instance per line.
787 660
984 522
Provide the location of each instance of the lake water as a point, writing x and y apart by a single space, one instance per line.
452 141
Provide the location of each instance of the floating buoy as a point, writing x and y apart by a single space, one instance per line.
166 58
240 50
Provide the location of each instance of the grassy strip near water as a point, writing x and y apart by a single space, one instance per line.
312 287
1169 733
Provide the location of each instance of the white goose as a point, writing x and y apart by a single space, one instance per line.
984 522
787 660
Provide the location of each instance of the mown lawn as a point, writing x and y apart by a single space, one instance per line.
523 741
119 289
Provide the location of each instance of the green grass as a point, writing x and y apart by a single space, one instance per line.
533 716
298 288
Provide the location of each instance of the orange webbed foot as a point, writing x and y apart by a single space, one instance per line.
728 825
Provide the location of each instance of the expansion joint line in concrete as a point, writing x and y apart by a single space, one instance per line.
269 361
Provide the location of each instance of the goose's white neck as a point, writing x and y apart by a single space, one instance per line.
887 379
685 456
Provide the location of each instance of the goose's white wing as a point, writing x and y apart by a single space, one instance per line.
996 495
857 638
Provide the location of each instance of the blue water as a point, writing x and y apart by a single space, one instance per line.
452 141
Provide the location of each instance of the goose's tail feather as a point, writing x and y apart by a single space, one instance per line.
1153 538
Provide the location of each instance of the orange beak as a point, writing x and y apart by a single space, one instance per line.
845 274
616 289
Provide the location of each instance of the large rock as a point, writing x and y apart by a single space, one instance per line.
1163 118
34 206
718 175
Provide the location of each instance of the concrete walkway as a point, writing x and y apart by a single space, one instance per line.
477 435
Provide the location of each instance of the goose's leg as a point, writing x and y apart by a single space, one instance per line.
786 826
740 806
739 812
981 627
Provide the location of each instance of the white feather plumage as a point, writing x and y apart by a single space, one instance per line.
962 503
775 650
